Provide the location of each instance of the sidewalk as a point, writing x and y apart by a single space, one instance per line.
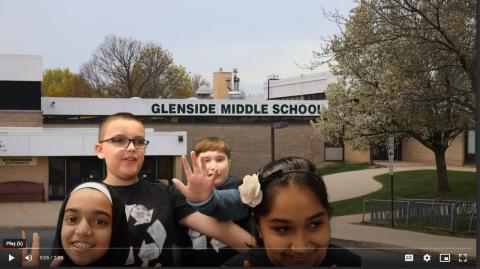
357 183
340 186
352 184
347 228
29 215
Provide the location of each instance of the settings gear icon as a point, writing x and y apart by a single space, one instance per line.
427 257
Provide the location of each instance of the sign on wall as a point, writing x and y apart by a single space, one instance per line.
18 161
216 109
391 153
181 107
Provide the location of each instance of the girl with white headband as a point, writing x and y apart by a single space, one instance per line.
90 229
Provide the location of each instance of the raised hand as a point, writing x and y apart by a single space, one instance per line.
34 261
199 185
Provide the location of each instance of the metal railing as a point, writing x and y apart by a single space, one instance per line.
443 214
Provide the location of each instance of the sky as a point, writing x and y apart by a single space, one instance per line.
258 37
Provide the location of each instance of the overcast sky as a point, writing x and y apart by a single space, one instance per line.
259 37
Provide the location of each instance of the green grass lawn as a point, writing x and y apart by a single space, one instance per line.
420 184
413 184
341 167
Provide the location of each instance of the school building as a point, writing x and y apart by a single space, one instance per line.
312 87
50 141
47 143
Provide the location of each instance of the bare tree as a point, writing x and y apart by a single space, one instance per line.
197 81
123 67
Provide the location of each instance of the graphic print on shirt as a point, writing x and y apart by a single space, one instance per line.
217 245
199 241
139 212
157 232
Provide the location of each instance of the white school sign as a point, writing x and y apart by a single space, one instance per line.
180 107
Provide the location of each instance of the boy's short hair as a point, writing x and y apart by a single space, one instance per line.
212 144
120 115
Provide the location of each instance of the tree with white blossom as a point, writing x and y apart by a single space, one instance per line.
409 66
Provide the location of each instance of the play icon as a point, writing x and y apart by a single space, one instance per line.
10 257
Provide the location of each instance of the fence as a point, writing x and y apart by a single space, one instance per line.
450 215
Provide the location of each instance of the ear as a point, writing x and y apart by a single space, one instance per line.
99 151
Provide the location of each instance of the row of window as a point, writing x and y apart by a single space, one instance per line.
314 96
67 172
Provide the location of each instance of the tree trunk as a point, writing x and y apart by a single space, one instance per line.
370 161
442 181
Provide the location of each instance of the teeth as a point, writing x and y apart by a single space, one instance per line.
300 257
82 245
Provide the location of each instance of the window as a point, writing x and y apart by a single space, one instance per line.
471 142
148 171
165 167
470 146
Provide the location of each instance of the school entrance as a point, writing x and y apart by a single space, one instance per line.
381 154
67 172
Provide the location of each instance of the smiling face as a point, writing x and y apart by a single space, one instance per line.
216 160
296 231
87 226
123 164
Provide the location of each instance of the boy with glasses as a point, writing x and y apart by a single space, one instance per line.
153 210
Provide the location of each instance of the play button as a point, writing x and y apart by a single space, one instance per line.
10 257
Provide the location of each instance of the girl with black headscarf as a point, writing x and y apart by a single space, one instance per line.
82 229
91 228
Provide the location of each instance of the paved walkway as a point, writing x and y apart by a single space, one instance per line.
30 215
352 184
357 183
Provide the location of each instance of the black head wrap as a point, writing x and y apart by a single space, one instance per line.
117 253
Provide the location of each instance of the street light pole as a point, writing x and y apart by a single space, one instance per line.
268 89
275 125
391 154
272 142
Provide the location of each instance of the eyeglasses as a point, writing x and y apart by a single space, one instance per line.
123 142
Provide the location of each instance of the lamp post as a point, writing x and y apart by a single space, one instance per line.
477 98
275 125
270 77
391 149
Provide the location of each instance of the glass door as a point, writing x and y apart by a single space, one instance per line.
56 178
470 147
83 169
149 169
